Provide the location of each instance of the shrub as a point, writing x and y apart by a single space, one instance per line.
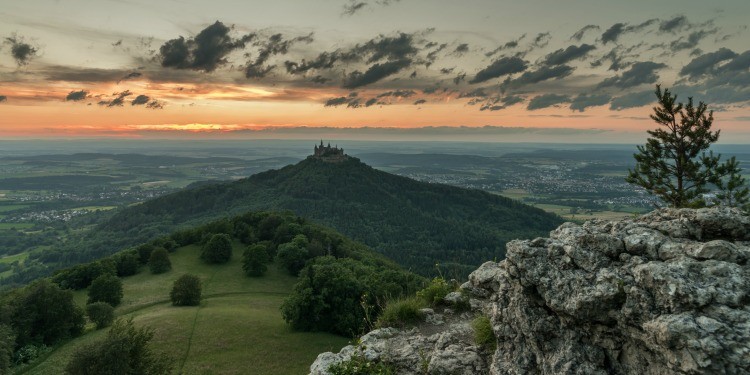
401 312
144 252
159 261
124 351
293 255
28 353
435 292
186 291
100 313
254 260
106 288
7 344
484 336
218 249
127 264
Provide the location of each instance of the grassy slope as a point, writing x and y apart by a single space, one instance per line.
237 329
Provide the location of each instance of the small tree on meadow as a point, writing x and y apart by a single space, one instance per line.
218 249
673 164
106 288
100 313
186 291
159 261
254 260
126 350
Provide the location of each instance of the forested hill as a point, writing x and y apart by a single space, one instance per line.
417 224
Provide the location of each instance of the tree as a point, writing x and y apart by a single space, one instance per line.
144 252
127 264
42 313
254 260
124 351
294 254
159 261
7 344
100 313
186 291
673 165
106 288
218 249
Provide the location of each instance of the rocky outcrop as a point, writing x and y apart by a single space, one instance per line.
665 293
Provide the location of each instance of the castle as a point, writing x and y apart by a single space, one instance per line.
328 152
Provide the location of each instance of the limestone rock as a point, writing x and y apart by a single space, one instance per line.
664 293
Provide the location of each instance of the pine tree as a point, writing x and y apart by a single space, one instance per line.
674 165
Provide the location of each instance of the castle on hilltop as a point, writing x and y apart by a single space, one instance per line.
329 153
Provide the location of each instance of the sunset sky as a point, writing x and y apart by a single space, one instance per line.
573 71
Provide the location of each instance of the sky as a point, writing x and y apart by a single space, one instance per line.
532 70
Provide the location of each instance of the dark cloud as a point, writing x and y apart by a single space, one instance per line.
562 56
638 74
497 104
325 60
76 95
76 74
706 64
614 32
542 74
674 24
3 98
691 41
508 45
500 67
276 44
459 78
353 7
398 94
375 73
420 101
447 70
320 79
117 101
140 100
461 49
432 55
580 33
154 104
130 75
206 52
21 51
738 64
335 102
583 101
632 100
387 48
117 43
547 100
541 40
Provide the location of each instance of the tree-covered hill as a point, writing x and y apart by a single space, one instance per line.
417 224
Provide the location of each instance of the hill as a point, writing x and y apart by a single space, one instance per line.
417 224
239 326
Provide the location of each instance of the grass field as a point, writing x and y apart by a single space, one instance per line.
7 226
237 329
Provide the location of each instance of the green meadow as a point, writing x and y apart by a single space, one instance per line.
237 329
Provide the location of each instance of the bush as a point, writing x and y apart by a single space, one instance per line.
144 252
218 249
254 260
401 313
435 292
28 353
106 288
127 264
186 291
484 336
159 261
7 344
100 313
124 351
